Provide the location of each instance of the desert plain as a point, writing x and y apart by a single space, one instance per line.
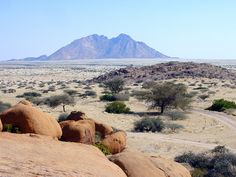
200 130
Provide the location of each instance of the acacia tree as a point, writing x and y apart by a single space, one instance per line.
166 95
115 85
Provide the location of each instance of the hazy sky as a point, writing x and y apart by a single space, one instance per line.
182 28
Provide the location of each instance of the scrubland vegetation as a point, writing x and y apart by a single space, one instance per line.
215 163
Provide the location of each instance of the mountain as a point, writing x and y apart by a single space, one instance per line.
99 46
40 58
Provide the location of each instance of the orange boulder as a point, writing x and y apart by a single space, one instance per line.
136 165
115 142
31 120
77 115
82 131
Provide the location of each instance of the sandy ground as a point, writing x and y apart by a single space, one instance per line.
200 132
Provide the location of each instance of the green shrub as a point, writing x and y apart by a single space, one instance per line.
198 173
176 115
103 148
107 97
117 107
10 128
62 117
221 105
7 127
149 124
4 106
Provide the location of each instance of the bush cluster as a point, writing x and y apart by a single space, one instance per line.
216 163
10 128
103 148
149 124
221 105
107 97
117 107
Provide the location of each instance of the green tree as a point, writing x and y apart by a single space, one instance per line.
166 95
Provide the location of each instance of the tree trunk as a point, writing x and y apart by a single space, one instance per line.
162 108
64 108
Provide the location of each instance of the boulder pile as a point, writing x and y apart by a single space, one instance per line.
78 128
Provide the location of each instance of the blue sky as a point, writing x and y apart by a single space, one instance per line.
182 28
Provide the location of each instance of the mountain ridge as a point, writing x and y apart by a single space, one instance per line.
99 46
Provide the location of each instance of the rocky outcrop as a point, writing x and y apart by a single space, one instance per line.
137 165
169 70
76 115
27 155
78 128
115 142
30 119
82 131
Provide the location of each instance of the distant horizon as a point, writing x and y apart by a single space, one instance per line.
203 29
